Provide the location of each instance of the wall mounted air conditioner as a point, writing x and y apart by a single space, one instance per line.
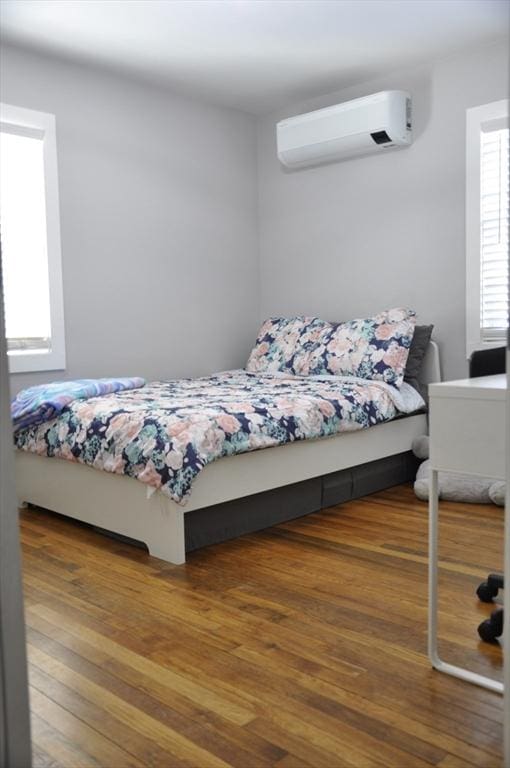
371 124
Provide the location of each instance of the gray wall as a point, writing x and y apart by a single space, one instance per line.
158 217
350 238
158 200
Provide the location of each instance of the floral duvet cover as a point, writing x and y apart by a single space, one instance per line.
165 433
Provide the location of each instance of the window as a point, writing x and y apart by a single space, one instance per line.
30 240
487 203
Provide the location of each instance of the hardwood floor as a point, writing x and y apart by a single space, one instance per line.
302 645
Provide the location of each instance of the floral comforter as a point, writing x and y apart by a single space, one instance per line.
163 434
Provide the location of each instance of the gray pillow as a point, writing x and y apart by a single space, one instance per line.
417 350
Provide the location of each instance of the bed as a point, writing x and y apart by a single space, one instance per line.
331 404
234 494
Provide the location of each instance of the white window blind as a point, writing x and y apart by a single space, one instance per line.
494 219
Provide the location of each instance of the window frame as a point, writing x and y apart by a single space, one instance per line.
476 117
24 121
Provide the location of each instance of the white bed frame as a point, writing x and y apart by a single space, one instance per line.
121 504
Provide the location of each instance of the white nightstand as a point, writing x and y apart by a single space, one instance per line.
467 435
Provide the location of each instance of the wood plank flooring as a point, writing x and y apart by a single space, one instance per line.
300 646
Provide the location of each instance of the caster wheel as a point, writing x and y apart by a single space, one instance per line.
492 628
486 632
486 593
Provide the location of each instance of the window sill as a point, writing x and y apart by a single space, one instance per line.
480 345
33 362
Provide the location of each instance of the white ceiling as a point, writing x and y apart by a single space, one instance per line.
254 55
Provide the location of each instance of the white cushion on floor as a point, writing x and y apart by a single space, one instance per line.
466 488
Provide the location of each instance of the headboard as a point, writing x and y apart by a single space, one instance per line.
431 368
